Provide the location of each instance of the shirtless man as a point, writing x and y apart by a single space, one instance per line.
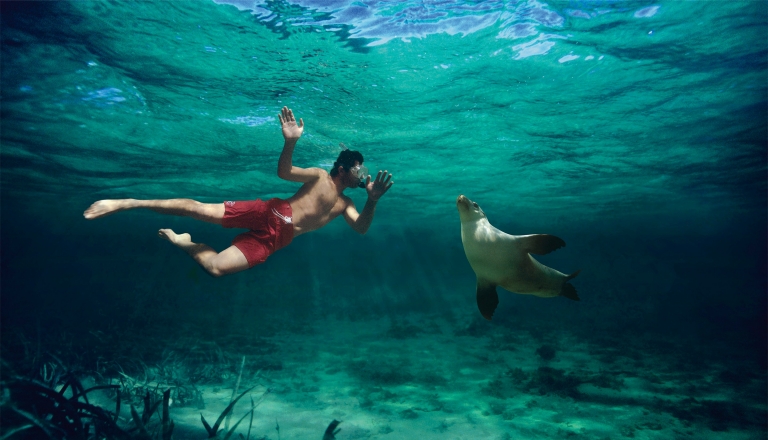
272 224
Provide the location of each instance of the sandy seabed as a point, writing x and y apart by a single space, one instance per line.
431 378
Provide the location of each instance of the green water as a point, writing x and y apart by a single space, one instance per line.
636 131
667 119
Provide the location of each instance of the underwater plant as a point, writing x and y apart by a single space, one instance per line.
54 404
142 421
213 430
39 411
331 431
33 409
181 393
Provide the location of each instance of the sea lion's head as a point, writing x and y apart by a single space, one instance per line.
469 211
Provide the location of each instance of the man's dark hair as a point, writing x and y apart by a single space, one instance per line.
347 159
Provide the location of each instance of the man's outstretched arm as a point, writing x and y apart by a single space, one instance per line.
292 132
360 222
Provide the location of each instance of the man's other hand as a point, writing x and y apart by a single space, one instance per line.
379 186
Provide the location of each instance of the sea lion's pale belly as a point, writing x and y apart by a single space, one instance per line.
516 272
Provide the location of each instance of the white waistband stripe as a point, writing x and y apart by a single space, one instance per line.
286 219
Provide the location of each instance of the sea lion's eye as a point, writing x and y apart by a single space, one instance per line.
475 205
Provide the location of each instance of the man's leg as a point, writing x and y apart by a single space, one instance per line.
207 212
228 261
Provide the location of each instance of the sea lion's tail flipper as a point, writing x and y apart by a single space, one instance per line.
568 290
541 244
487 298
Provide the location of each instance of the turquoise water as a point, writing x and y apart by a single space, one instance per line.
636 131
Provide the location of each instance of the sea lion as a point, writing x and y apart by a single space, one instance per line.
500 259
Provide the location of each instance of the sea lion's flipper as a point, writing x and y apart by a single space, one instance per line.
540 244
487 298
573 275
568 290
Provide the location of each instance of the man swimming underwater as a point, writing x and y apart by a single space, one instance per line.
273 223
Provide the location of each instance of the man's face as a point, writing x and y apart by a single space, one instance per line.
351 178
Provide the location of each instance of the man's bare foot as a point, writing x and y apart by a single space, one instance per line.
103 208
181 240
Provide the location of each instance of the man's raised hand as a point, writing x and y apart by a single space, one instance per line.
291 130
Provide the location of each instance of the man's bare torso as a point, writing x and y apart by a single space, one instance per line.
315 204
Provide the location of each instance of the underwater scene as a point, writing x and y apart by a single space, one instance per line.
571 244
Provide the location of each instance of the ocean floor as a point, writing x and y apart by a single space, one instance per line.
432 378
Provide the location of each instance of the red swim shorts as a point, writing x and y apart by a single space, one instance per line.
270 225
